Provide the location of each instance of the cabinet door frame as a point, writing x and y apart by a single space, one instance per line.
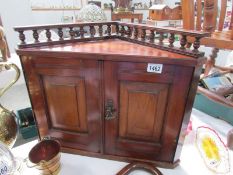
39 70
178 79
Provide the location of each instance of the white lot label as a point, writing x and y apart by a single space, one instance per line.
155 68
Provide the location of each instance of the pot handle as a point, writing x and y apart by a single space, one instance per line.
29 164
7 67
51 138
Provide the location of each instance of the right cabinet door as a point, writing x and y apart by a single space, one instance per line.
144 111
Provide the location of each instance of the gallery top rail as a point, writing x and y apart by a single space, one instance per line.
158 37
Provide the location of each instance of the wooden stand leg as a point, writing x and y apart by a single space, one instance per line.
139 166
211 61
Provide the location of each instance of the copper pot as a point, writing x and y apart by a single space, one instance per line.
45 156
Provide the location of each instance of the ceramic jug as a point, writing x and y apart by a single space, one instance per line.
8 124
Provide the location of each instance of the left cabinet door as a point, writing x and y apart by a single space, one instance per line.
65 95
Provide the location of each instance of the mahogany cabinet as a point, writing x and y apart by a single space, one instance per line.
112 98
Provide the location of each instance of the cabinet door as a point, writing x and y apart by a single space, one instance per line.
65 97
147 109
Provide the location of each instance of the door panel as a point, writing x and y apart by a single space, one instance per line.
148 118
68 90
66 101
142 106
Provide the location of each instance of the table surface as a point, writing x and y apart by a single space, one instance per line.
191 162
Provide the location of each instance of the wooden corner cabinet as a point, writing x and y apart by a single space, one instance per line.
126 95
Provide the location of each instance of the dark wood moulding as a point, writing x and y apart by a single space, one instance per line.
137 33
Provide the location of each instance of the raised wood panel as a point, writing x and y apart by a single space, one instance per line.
66 90
142 109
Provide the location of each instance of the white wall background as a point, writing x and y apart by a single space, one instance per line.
14 13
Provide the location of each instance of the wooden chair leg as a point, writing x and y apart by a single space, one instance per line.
139 166
211 61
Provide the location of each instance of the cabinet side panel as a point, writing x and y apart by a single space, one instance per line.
36 95
175 111
188 108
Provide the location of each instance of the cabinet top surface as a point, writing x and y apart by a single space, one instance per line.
111 49
108 47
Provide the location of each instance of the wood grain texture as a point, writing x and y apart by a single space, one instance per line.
142 108
66 103
133 139
139 166
66 90
210 15
222 14
188 107
232 33
131 16
199 15
219 39
70 86
188 14
131 32
118 49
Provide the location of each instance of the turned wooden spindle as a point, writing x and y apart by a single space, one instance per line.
210 62
48 34
109 30
161 38
35 36
196 44
171 40
92 31
72 33
117 29
60 34
129 32
189 45
122 31
183 42
152 36
81 32
22 37
135 33
143 35
100 30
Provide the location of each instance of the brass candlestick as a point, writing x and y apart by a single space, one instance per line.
8 124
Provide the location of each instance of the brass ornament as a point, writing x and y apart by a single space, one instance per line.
8 124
